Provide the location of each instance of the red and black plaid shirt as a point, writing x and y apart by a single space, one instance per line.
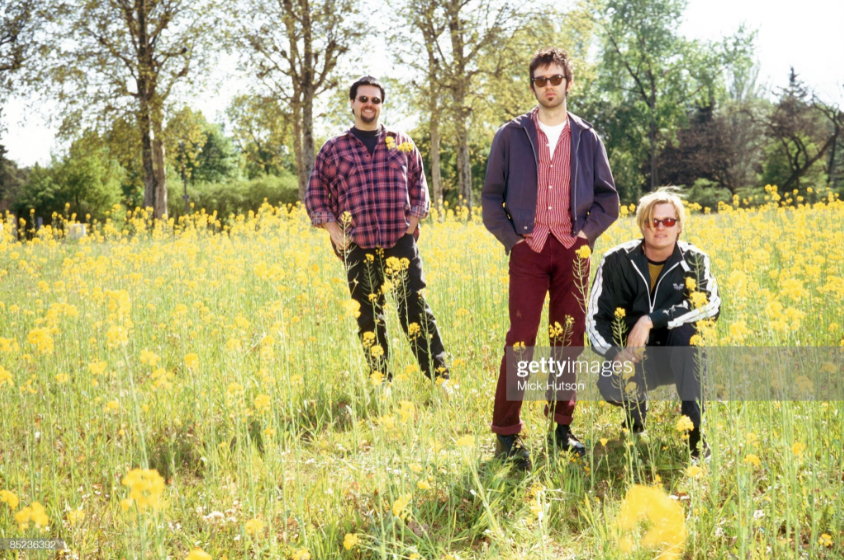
379 191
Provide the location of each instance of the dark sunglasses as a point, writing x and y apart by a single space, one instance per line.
667 222
542 80
365 99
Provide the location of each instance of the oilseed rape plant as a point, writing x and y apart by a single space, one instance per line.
196 389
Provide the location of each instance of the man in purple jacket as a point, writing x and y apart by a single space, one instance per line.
548 193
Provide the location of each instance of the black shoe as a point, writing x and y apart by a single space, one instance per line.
633 426
698 447
566 440
511 448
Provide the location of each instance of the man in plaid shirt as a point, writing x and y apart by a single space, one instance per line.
368 190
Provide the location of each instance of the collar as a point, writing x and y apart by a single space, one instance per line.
535 116
636 253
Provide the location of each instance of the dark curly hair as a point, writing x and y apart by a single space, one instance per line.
547 57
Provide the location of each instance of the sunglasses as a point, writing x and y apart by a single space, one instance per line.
542 80
667 222
365 99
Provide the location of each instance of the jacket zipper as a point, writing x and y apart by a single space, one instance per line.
648 286
573 186
535 159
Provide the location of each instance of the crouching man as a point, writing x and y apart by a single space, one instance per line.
646 299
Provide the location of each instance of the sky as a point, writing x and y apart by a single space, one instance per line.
805 35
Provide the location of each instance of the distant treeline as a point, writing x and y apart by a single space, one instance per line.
671 110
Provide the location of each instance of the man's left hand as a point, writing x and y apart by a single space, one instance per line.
414 223
638 337
582 235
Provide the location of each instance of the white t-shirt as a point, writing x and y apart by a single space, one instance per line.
553 134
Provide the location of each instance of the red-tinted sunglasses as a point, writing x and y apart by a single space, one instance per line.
667 222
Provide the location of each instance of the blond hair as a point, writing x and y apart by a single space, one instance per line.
663 195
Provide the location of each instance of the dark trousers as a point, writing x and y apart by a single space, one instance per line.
669 359
367 271
532 276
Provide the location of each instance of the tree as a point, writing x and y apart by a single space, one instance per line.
802 129
260 127
11 179
84 182
126 57
293 47
653 71
18 24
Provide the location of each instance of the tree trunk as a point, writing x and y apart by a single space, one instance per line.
308 151
830 168
464 164
301 172
436 173
160 208
652 139
145 124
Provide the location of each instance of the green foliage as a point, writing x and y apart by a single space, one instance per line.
234 197
199 148
261 128
708 194
777 167
85 182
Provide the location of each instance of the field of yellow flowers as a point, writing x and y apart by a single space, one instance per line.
197 390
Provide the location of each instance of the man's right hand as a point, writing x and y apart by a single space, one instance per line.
338 238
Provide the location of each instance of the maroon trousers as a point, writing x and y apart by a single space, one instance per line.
532 275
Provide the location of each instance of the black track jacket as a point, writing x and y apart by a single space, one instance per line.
623 281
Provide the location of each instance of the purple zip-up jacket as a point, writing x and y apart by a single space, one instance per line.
509 193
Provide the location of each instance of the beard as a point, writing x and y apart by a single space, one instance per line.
559 100
368 119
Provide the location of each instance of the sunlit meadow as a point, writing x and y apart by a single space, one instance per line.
197 390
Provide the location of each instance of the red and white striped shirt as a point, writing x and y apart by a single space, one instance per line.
553 193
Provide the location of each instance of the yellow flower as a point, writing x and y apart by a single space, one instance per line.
603 441
301 554
584 252
41 339
5 377
684 424
145 488
75 516
192 360
693 471
698 299
117 336
34 513
466 441
798 448
352 307
399 506
752 459
254 526
97 367
9 498
423 485
377 351
350 541
198 554
376 377
262 403
60 377
825 540
620 313
691 284
665 516
112 406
